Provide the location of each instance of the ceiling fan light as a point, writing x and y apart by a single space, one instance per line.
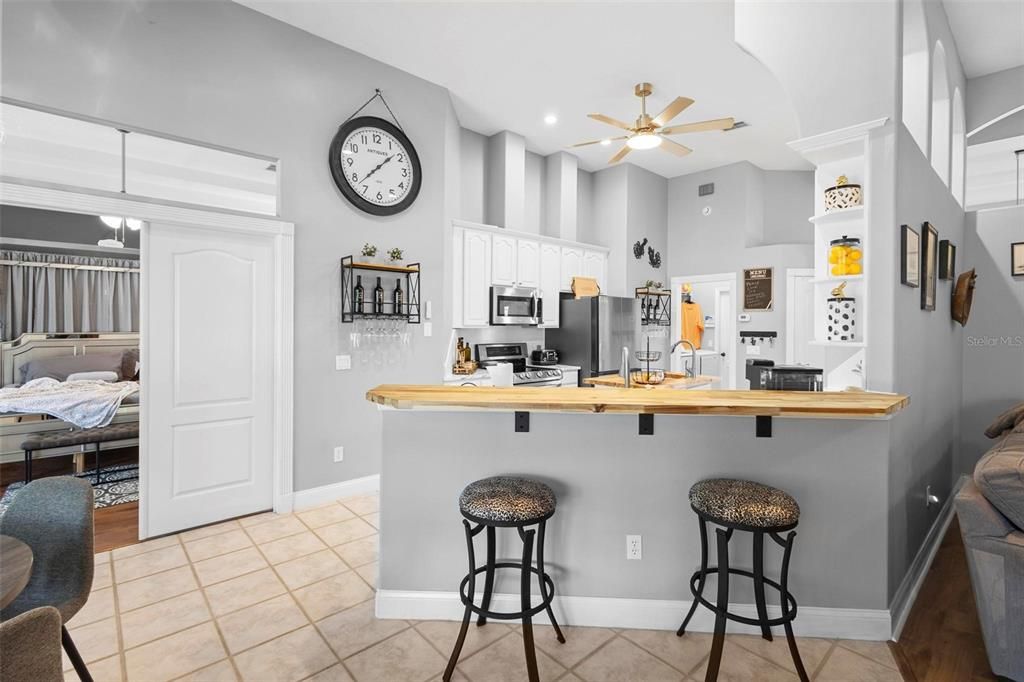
644 141
111 221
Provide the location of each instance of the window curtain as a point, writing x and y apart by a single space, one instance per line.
57 300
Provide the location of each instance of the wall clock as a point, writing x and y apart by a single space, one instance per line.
375 165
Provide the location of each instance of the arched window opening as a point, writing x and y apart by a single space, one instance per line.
915 73
940 114
959 151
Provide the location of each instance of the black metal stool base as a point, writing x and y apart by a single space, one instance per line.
527 611
721 608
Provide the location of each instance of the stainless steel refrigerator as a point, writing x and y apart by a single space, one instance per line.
592 331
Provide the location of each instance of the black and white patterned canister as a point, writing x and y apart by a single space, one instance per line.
842 319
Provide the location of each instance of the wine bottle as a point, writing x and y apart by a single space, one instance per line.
378 298
398 297
357 295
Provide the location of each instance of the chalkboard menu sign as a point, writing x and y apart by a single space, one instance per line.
757 289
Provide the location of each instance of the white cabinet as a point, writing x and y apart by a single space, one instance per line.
550 277
572 266
527 263
503 260
595 264
476 278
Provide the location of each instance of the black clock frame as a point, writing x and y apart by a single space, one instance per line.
338 173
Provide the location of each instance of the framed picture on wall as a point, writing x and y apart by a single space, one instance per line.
910 256
947 259
929 265
1017 259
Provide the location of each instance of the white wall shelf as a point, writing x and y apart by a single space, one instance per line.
851 213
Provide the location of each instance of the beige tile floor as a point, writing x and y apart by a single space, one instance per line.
275 598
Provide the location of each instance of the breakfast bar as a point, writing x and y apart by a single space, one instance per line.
831 451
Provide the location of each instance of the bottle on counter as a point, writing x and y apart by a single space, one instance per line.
378 299
358 295
398 297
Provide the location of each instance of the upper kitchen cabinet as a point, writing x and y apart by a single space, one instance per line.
486 256
572 265
550 280
528 263
503 260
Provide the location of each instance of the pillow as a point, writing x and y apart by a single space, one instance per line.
61 367
130 365
1000 475
1006 421
93 376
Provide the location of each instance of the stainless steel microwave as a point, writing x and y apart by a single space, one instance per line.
516 306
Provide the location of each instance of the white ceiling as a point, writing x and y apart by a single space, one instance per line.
989 34
507 65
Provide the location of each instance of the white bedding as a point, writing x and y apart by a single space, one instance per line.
86 404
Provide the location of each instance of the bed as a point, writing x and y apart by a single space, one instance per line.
16 355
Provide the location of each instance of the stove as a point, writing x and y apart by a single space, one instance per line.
523 373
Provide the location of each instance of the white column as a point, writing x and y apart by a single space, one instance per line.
560 194
506 180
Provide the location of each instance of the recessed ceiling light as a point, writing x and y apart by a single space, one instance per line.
551 119
605 142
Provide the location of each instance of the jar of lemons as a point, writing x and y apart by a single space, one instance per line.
845 257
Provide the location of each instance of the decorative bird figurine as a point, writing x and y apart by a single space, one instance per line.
638 249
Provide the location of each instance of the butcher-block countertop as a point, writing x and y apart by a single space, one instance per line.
676 380
850 405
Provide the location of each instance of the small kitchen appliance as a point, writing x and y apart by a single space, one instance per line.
523 373
520 306
544 356
766 375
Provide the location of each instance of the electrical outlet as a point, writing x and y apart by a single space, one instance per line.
342 362
339 454
634 547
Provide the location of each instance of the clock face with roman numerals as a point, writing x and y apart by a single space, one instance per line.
375 165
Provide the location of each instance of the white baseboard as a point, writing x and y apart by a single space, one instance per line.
311 497
906 593
649 614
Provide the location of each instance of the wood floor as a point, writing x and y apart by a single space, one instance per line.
941 641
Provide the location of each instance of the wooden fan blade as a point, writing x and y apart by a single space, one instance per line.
610 121
674 147
675 108
610 139
699 127
619 155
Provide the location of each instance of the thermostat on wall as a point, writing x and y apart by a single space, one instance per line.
706 210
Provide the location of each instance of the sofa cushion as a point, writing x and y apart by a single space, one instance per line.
1000 475
1007 420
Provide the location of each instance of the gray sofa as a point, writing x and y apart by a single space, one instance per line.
991 512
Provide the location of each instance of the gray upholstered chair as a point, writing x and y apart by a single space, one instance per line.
53 516
31 647
991 513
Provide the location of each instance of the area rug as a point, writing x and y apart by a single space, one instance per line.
118 484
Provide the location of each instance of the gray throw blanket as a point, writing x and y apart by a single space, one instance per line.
86 404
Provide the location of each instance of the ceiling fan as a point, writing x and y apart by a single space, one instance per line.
648 132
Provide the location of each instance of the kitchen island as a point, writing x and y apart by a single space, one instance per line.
831 451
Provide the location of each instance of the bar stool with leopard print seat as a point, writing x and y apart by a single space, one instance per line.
758 509
506 502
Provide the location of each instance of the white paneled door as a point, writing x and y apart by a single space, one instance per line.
208 375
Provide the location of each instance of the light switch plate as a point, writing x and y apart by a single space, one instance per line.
427 310
753 350
744 317
342 362
428 329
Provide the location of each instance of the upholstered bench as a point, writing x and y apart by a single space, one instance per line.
62 439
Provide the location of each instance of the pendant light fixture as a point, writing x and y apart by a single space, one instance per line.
120 223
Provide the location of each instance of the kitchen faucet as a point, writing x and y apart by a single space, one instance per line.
691 372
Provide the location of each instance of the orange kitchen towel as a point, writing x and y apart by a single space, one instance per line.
692 323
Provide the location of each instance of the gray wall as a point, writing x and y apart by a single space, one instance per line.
472 170
733 237
220 73
17 222
608 226
993 349
535 221
611 482
927 365
646 216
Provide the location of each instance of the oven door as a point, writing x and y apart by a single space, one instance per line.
515 306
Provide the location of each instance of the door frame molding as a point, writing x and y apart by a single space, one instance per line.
677 282
55 198
791 275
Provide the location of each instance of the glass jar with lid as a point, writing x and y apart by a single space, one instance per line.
845 257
